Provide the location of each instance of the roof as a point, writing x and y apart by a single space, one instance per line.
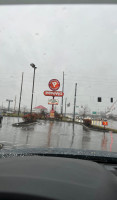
40 107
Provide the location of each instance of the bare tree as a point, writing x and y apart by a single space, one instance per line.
84 111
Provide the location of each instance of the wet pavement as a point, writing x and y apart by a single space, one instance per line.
55 135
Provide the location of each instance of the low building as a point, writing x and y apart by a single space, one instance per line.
39 109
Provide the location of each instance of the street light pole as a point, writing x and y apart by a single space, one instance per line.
62 96
65 105
33 66
20 93
74 102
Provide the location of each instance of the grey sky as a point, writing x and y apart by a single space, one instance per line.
80 40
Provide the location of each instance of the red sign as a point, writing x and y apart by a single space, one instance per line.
53 102
54 93
105 123
52 114
54 84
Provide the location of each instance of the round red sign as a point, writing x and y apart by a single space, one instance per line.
54 84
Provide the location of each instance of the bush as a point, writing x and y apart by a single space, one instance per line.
39 116
32 117
43 114
58 116
87 122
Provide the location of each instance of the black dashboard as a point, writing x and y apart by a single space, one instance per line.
40 177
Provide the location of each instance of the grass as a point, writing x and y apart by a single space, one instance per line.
13 115
66 119
106 129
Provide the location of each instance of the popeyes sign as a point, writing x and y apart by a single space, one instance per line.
54 84
54 93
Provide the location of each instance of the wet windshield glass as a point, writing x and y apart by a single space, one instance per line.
58 76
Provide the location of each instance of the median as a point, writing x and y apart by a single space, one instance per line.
87 123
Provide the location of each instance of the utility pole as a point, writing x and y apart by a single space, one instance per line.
9 101
74 102
20 93
15 104
62 96
65 105
33 66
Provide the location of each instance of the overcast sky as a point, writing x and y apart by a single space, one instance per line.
80 40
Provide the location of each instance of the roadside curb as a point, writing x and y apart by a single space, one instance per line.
20 124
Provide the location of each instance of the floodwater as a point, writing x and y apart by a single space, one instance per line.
55 134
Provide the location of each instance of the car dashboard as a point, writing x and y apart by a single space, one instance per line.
42 177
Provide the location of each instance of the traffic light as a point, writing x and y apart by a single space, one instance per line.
111 100
99 99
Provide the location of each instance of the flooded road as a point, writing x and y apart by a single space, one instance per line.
55 134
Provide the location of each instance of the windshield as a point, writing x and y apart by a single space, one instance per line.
58 76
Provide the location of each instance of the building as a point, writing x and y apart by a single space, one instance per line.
39 109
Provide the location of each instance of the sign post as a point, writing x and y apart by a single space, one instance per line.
104 123
53 104
54 85
52 114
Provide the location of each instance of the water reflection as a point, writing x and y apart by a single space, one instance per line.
49 133
56 135
111 134
8 120
14 139
72 140
104 142
28 128
86 139
27 137
27 132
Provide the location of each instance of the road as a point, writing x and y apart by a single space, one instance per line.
55 134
